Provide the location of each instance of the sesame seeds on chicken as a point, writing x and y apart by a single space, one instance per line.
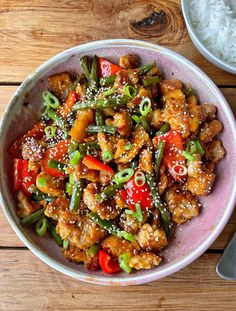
120 154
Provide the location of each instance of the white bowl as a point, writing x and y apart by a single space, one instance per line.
199 44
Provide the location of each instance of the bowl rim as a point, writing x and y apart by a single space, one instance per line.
152 274
216 60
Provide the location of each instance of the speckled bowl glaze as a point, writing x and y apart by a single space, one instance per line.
203 49
191 239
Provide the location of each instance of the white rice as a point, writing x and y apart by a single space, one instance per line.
215 24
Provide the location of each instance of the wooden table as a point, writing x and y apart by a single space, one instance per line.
30 33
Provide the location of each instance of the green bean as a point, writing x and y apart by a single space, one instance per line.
40 196
165 215
53 116
110 227
108 192
57 165
84 61
145 124
134 163
148 81
54 234
93 77
102 128
41 226
158 156
188 91
118 101
99 117
76 195
30 219
146 68
105 81
164 129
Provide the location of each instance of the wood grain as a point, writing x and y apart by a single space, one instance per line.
199 288
32 31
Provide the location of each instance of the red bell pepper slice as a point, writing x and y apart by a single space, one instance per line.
108 264
36 132
106 68
66 108
173 158
94 164
58 153
24 178
135 194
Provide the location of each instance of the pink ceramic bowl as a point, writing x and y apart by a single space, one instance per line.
191 239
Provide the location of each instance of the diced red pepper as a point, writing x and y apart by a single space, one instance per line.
24 178
66 108
173 158
108 264
106 68
95 164
135 194
36 132
18 173
58 153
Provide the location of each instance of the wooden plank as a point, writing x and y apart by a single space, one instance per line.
9 238
32 31
194 288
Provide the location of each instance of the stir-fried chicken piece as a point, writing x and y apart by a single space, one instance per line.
182 205
176 112
106 210
50 185
78 255
124 77
170 85
210 130
82 171
130 223
25 206
195 113
54 208
200 179
128 61
214 151
60 84
146 161
117 246
122 121
155 117
80 231
151 238
208 112
139 138
144 260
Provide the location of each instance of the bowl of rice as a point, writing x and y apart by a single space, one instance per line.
212 27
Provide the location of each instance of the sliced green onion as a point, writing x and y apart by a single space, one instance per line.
136 118
124 262
138 214
41 226
123 175
134 163
53 116
57 165
45 109
110 91
130 91
73 146
128 146
51 100
139 178
75 158
41 181
188 156
126 235
65 244
191 147
50 131
93 250
145 106
107 155
164 129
